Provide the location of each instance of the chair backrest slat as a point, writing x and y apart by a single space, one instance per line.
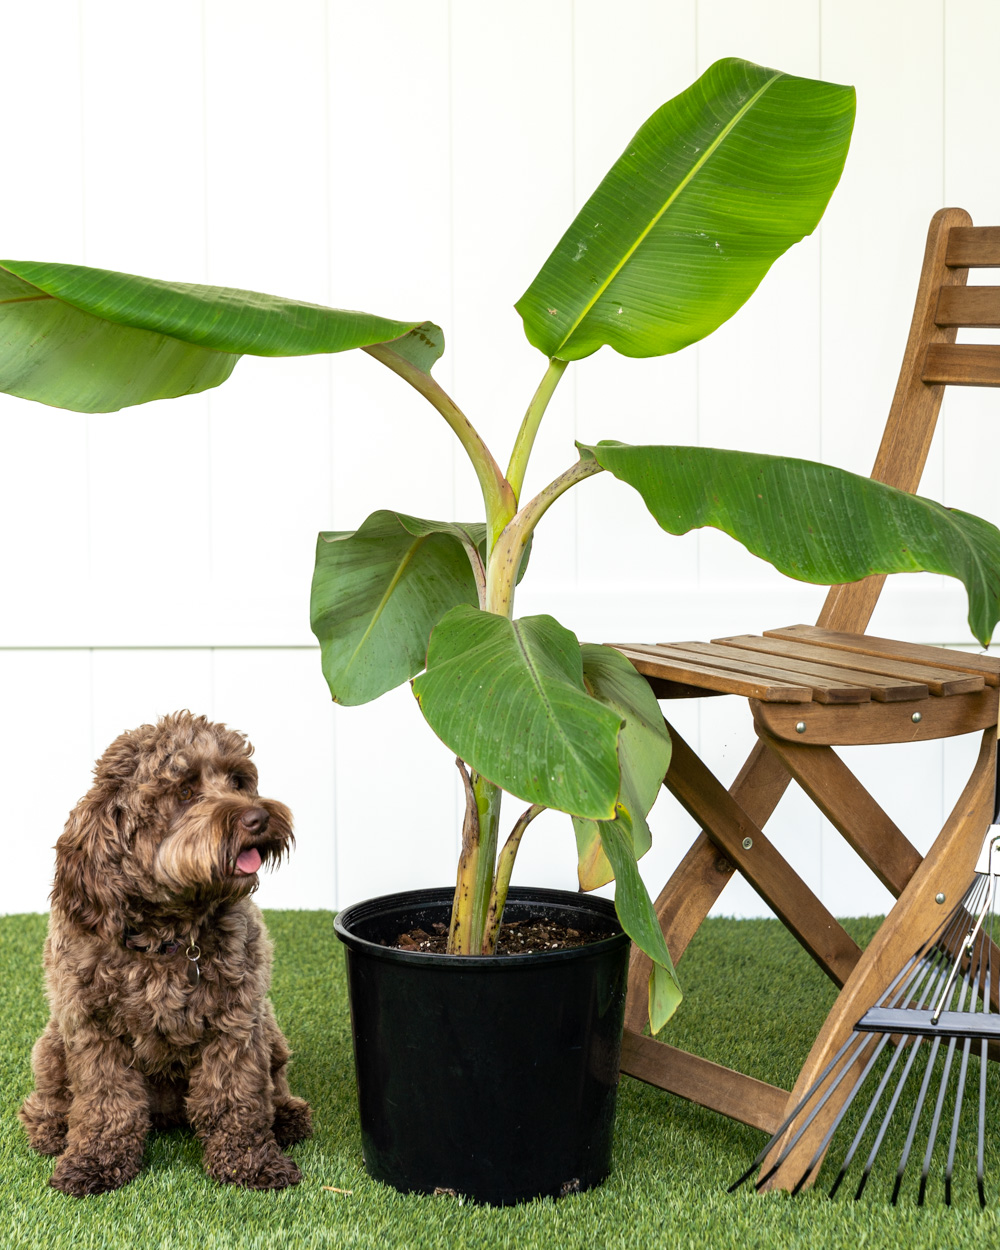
968 306
962 364
974 247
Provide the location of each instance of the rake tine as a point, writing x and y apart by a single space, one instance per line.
917 968
830 1091
982 1123
953 1140
942 1091
921 1097
928 991
873 1106
962 1076
954 963
936 1121
810 1094
880 1136
981 1135
813 1091
840 1115
914 1119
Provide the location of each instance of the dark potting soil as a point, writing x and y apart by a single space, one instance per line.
519 937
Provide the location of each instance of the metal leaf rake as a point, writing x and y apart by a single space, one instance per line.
935 1014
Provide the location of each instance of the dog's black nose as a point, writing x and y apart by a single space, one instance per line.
254 820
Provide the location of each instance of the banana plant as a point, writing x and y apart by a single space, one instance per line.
711 190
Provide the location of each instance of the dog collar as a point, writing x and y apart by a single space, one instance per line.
131 940
131 937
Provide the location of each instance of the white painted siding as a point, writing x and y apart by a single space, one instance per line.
420 161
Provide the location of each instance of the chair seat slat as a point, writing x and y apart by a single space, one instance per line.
827 687
892 687
988 666
683 668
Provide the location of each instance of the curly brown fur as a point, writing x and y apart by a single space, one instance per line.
161 856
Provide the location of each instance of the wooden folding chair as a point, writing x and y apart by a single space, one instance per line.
812 688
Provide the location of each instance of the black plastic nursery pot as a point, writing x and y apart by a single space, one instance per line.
494 1077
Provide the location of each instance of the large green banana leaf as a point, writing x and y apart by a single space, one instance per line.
712 189
638 916
377 593
813 522
95 341
509 698
643 754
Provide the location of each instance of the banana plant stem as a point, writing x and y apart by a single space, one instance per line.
532 420
474 886
501 881
499 498
461 932
488 798
506 556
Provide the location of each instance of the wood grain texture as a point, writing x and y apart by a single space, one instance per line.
876 723
770 874
881 844
680 666
740 1097
857 643
974 247
812 660
703 874
968 306
828 686
962 364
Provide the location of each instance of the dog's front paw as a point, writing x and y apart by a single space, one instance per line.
80 1174
260 1166
46 1134
292 1121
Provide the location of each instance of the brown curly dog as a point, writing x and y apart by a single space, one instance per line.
158 966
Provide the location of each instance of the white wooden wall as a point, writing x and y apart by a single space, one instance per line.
420 161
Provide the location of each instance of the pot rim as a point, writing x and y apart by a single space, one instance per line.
442 895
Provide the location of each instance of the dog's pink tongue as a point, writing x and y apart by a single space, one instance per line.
248 861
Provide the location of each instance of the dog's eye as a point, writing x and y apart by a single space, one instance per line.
185 794
239 782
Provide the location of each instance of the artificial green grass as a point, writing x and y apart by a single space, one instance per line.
754 1001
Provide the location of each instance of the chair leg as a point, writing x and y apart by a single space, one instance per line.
742 841
947 869
845 802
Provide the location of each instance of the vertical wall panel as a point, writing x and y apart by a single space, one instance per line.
143 124
278 699
970 422
267 147
765 359
512 160
45 745
874 230
397 819
137 687
874 233
623 71
390 251
44 488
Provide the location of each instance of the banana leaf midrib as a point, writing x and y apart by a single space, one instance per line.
401 568
696 166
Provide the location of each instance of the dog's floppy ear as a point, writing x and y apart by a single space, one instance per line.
88 880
